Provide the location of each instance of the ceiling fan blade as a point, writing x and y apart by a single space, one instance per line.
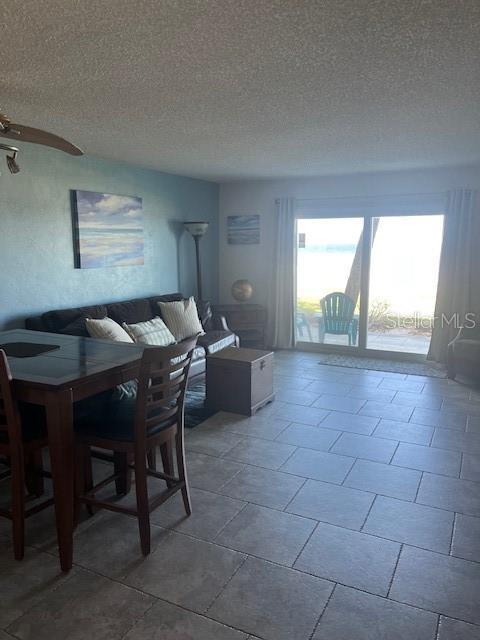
21 133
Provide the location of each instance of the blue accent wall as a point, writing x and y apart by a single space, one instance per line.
36 251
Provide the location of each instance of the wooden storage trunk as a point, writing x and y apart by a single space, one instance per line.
239 380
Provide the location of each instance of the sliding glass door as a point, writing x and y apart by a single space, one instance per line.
328 280
367 284
405 256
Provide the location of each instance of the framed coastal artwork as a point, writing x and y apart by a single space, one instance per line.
243 229
107 230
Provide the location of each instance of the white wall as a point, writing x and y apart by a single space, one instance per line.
254 262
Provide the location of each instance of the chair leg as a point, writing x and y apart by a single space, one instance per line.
18 503
182 472
88 474
143 511
80 484
166 452
34 474
121 464
152 459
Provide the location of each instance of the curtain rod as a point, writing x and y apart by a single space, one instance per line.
373 196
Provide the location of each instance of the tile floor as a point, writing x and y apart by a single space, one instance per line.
348 509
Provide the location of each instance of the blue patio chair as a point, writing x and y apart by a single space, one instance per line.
337 317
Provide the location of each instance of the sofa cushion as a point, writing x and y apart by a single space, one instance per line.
130 311
198 353
57 320
77 328
214 341
205 314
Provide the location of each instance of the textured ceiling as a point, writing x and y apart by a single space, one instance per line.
227 89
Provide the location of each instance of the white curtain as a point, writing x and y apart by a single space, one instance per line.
458 279
282 302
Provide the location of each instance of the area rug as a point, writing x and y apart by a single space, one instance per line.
195 410
431 369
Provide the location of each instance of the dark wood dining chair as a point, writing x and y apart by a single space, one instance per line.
135 428
22 438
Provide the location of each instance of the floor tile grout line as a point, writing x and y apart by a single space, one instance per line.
296 448
462 461
329 450
284 510
452 534
281 432
438 613
280 470
394 570
303 547
318 522
137 622
348 473
368 514
228 522
276 564
393 454
259 437
418 487
226 481
156 599
436 473
65 578
171 602
222 589
317 624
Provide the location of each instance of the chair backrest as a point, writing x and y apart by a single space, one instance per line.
9 416
337 312
162 383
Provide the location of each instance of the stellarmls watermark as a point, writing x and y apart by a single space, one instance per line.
419 322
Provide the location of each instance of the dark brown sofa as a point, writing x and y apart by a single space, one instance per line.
69 321
463 355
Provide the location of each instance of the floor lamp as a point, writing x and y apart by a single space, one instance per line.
197 230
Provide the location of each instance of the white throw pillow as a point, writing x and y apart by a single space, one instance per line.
181 317
107 329
153 331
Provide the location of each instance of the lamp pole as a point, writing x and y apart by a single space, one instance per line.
197 230
199 269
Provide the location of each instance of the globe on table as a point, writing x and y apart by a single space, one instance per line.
242 290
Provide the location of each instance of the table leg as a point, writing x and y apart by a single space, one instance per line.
59 407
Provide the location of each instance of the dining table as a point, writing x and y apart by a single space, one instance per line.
57 370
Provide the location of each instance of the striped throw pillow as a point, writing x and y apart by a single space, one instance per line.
181 317
150 332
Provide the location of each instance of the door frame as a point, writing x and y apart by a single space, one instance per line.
361 349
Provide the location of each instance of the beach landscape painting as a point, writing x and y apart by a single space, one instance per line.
108 230
243 229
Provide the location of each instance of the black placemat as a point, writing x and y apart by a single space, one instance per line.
27 349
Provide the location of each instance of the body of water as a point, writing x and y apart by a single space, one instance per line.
110 247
